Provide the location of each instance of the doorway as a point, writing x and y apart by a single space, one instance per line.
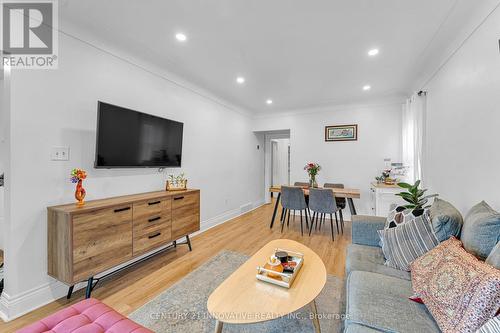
280 162
277 156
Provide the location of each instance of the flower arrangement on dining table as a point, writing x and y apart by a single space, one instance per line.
312 170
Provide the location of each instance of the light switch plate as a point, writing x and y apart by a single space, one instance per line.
59 154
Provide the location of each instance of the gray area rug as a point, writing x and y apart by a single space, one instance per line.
183 307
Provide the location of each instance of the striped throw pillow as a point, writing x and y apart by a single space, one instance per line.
405 243
491 326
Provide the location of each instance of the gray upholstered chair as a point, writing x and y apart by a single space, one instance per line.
322 202
303 185
292 198
341 203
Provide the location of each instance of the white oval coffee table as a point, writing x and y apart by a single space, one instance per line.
242 299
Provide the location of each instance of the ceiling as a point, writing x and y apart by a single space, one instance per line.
301 54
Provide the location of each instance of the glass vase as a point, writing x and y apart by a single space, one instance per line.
312 181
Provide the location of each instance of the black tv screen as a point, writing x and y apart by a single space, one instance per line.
131 139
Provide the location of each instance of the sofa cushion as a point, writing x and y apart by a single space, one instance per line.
481 230
89 316
356 328
446 219
494 257
381 302
460 291
407 242
370 259
364 229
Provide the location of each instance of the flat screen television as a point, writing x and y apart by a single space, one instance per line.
131 139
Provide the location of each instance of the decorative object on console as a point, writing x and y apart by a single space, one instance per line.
410 240
461 292
481 230
446 219
341 133
177 183
415 197
383 177
77 177
312 170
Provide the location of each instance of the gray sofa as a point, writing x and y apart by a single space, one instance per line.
377 295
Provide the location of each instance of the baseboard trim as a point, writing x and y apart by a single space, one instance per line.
226 216
19 305
12 307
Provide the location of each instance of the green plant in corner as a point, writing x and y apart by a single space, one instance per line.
416 198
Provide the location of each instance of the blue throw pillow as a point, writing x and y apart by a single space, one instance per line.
494 257
446 219
481 230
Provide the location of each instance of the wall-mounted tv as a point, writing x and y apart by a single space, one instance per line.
131 139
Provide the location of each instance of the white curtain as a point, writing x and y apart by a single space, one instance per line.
413 135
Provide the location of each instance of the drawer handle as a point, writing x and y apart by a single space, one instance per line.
153 203
121 209
155 235
178 198
154 219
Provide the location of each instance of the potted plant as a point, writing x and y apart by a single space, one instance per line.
312 170
416 198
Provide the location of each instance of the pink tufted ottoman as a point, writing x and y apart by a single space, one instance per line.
88 316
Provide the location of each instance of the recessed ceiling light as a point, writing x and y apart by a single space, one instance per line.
373 52
269 101
240 79
366 88
181 37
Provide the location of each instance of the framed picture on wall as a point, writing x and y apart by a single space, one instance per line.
341 133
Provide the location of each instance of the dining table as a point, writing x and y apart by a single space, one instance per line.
348 193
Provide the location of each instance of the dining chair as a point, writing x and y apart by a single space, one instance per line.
303 185
292 198
341 203
322 202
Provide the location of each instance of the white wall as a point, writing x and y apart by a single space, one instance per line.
4 146
58 108
353 163
463 119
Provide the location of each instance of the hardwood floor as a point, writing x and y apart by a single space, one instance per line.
130 289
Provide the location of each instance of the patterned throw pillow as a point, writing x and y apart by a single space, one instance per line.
408 241
461 292
397 216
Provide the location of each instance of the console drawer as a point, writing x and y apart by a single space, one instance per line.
151 238
181 200
145 224
151 207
